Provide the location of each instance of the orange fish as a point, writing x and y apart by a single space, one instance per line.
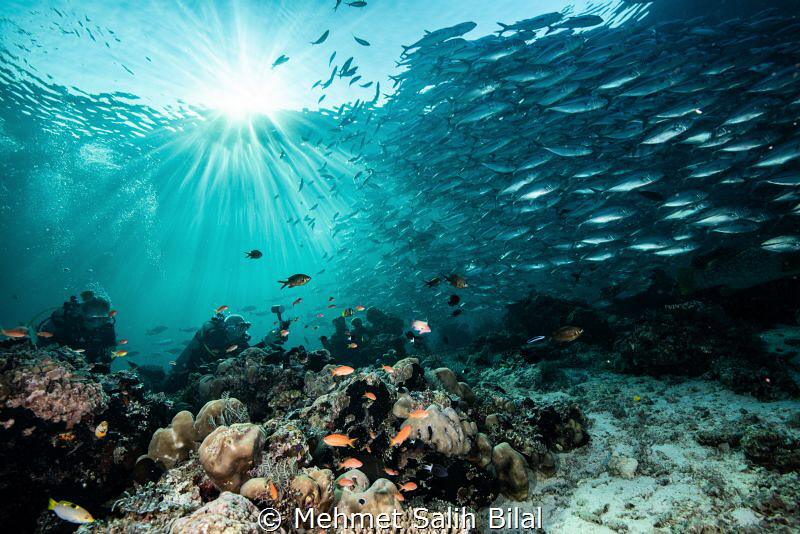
298 301
391 472
371 396
368 449
67 436
350 463
44 334
418 414
372 434
399 497
284 333
342 370
352 345
101 430
408 486
122 342
388 368
346 482
232 348
112 313
221 309
20 331
360 308
401 436
272 489
119 353
339 440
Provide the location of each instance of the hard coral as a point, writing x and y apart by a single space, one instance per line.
227 514
229 453
173 444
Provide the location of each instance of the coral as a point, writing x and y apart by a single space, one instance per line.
443 430
227 514
512 470
220 412
53 391
313 489
771 448
360 481
173 444
778 500
448 381
229 453
380 498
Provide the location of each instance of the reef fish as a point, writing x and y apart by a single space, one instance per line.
408 486
421 326
101 430
339 440
342 370
418 414
18 332
253 254
401 436
567 333
70 512
350 463
295 280
456 281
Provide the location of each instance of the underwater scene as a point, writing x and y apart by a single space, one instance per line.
400 266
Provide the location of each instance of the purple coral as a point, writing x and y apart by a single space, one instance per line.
54 393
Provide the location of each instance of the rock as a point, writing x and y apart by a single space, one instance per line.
622 466
227 514
219 412
512 471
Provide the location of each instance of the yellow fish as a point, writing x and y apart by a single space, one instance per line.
70 512
636 398
101 430
119 353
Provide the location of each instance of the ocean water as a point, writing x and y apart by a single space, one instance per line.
534 192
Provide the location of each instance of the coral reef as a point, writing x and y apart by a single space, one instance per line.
771 448
51 403
228 513
229 453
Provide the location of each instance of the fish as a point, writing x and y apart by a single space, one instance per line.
280 61
418 414
352 346
360 308
232 348
156 330
342 370
272 490
371 396
297 301
339 440
401 436
387 368
112 313
360 41
44 334
350 463
221 309
346 482
253 254
456 313
408 486
101 430
284 333
295 280
347 312
456 281
534 339
17 332
70 512
567 333
322 37
357 4
391 472
122 342
66 436
421 327
436 470
453 300
433 282
119 353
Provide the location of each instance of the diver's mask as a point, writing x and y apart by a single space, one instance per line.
235 327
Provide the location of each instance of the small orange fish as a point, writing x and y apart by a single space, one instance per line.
401 436
352 345
351 463
272 489
399 497
119 353
372 434
418 414
298 301
232 348
122 342
18 332
370 395
388 368
67 436
342 370
408 486
221 309
360 308
112 313
339 440
284 333
391 472
101 430
44 334
346 482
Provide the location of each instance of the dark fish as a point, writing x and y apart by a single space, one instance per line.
253 254
436 470
433 282
156 330
567 333
453 300
456 281
357 4
295 280
322 38
456 313
280 61
362 42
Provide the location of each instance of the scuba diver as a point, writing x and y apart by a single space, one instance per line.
217 337
277 337
87 325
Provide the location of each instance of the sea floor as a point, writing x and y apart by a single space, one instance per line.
645 470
